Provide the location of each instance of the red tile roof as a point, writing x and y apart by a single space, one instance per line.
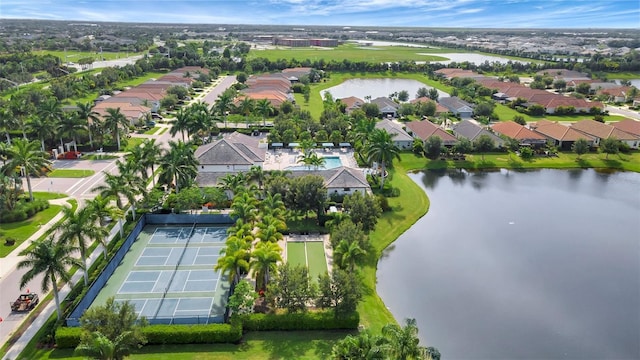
516 131
425 129
602 131
628 125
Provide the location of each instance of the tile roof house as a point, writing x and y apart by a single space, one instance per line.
341 180
134 113
400 137
628 125
386 106
471 130
563 136
352 103
425 129
601 131
439 108
457 106
231 154
616 94
516 131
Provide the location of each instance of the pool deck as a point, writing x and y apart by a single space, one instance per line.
281 159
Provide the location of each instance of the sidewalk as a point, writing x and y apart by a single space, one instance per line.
50 308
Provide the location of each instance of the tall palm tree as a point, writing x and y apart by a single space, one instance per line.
178 165
381 149
223 104
113 121
256 173
233 182
244 207
273 205
311 159
235 259
151 156
182 123
50 111
403 340
270 231
201 119
347 254
7 122
42 128
70 125
26 154
100 209
264 260
135 186
77 229
89 118
51 258
246 107
264 108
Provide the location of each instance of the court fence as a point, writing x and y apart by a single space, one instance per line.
146 219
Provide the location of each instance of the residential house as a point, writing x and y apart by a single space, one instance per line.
425 129
352 103
562 136
525 136
134 113
457 106
231 154
340 181
469 129
387 107
616 94
628 125
601 131
423 99
400 137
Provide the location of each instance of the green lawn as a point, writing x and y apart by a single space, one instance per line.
506 113
99 157
74 56
48 195
70 173
152 131
132 143
316 259
296 254
270 345
22 230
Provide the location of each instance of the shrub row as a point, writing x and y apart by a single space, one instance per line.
325 320
23 211
69 337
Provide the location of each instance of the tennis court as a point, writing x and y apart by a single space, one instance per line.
168 275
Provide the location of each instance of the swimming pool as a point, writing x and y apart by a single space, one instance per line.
330 162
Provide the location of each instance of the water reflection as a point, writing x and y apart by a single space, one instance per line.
514 265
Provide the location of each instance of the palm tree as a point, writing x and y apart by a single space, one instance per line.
273 205
264 259
178 165
28 156
233 182
246 107
257 174
363 346
381 149
51 258
113 121
151 152
244 207
99 347
50 111
7 122
79 227
270 232
264 108
70 125
182 123
89 118
348 253
235 259
201 119
42 128
100 209
134 185
403 340
224 103
311 159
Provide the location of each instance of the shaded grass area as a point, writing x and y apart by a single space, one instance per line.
316 259
255 346
22 230
70 173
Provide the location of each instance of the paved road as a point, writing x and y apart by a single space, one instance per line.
224 83
624 112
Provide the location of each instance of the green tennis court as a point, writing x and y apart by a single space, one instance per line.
308 253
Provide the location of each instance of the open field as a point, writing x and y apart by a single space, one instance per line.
74 56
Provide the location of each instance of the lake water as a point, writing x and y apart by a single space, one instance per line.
634 82
521 265
474 58
376 88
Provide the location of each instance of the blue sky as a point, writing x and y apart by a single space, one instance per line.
415 13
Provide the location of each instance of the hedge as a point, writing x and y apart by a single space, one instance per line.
69 337
23 210
324 320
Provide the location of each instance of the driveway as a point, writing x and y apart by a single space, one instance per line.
223 84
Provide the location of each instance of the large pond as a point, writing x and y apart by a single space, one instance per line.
474 58
376 88
522 265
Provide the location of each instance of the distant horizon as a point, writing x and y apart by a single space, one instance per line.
454 14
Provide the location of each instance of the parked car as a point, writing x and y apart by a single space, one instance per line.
25 302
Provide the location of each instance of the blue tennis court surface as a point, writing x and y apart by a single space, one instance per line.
168 275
